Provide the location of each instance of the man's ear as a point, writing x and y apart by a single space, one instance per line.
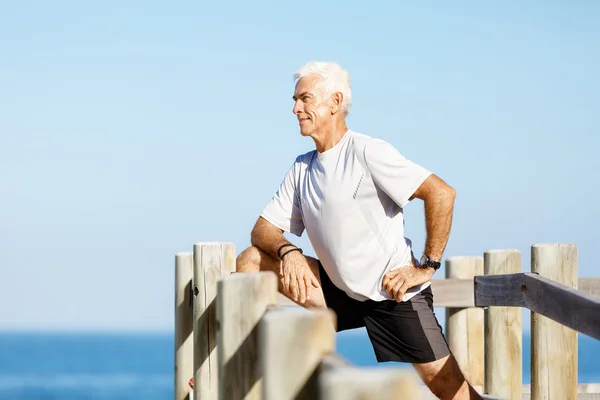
338 99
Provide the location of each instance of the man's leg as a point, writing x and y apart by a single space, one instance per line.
409 332
254 260
445 380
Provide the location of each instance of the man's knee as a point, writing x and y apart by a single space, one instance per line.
248 260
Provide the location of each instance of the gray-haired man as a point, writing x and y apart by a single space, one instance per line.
348 194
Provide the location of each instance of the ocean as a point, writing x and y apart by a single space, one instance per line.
128 366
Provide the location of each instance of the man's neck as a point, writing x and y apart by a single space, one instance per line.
326 139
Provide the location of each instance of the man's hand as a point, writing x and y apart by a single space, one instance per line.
297 276
398 281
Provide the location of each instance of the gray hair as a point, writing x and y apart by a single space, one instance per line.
335 79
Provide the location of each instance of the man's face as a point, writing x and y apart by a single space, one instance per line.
311 105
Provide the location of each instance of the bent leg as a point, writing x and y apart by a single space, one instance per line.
254 260
445 380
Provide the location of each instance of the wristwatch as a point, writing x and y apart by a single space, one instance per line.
428 262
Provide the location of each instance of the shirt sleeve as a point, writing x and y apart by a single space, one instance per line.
398 177
283 210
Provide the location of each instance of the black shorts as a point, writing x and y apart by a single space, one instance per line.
402 332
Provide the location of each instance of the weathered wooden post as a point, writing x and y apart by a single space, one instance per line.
553 346
503 333
184 344
242 300
292 344
349 383
464 326
211 261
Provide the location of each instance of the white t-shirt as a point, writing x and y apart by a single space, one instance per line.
352 213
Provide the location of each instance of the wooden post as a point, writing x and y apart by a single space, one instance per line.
503 333
464 326
242 300
368 384
292 344
211 261
184 345
553 346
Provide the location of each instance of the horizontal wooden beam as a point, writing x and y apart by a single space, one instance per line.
502 290
560 303
459 293
334 361
453 293
284 301
590 286
347 383
583 388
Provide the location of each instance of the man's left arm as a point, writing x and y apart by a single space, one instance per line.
438 198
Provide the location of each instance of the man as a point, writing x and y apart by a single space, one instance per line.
348 194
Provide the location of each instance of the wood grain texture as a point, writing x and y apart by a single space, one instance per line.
242 300
368 384
503 333
184 341
292 343
211 261
554 346
453 293
464 326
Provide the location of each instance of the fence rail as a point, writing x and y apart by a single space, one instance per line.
249 344
241 339
563 304
460 293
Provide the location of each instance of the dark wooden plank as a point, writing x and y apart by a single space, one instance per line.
499 290
568 306
453 293
563 304
589 286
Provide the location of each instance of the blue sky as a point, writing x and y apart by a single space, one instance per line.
130 131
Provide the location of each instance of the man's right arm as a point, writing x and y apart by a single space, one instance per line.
268 238
295 271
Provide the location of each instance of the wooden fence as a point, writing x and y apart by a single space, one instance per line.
241 339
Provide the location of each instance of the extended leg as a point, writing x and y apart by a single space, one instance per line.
253 260
445 380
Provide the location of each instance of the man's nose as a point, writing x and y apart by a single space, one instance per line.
297 107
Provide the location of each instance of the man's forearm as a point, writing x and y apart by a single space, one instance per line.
268 238
438 221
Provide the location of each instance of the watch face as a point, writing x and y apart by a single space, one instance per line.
426 261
